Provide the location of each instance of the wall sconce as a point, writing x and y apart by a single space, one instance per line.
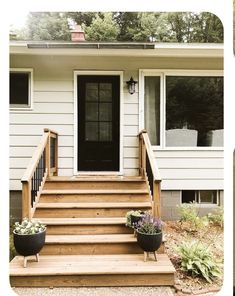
131 85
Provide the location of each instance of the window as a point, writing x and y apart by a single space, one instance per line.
20 88
194 111
152 107
183 110
200 196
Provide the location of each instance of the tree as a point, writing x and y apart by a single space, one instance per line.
46 26
125 26
102 28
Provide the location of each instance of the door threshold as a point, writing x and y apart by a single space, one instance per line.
98 173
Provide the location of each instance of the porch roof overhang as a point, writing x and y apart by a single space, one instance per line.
133 49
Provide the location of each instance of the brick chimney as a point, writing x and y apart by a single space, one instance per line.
77 34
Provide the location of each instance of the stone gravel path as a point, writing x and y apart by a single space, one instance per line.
111 291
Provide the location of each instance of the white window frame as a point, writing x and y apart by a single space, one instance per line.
163 73
30 90
121 159
197 193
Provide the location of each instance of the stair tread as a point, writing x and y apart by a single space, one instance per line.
94 191
96 179
82 221
93 205
91 265
90 239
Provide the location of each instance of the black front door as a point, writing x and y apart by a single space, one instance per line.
98 123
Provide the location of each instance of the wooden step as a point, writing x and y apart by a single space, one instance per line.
88 195
95 270
112 225
82 210
95 183
92 244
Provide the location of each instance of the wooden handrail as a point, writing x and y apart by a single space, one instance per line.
39 168
148 169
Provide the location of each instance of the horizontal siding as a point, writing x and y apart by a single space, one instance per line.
202 169
53 107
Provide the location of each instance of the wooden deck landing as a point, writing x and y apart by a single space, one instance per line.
92 270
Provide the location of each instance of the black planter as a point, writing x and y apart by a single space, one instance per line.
136 219
29 244
149 242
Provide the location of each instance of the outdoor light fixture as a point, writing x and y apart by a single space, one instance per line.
131 85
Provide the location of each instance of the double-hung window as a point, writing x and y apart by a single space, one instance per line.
182 108
20 91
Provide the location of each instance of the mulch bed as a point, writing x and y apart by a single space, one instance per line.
177 232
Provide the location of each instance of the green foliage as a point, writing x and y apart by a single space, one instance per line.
188 213
217 217
102 28
46 26
125 26
28 227
197 260
12 251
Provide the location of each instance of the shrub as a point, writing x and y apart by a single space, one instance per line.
197 260
188 213
217 217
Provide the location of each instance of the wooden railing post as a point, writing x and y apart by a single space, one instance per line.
156 199
48 156
26 200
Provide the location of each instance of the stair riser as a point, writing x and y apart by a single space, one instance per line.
94 198
90 249
112 280
82 213
93 249
88 229
95 185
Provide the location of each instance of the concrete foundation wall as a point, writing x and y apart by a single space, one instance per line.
170 200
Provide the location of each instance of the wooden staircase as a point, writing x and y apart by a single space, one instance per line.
87 242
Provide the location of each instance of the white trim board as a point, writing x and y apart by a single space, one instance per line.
94 72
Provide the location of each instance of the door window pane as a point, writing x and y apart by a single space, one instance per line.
194 111
105 92
152 108
105 112
91 111
91 131
91 91
105 131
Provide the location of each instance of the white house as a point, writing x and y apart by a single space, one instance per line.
79 90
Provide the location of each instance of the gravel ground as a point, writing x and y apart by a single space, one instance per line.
112 291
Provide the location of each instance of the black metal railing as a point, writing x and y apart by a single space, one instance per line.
149 174
53 152
37 178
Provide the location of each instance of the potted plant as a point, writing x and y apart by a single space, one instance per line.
29 238
133 217
149 234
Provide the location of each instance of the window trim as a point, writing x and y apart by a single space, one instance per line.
30 90
163 73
